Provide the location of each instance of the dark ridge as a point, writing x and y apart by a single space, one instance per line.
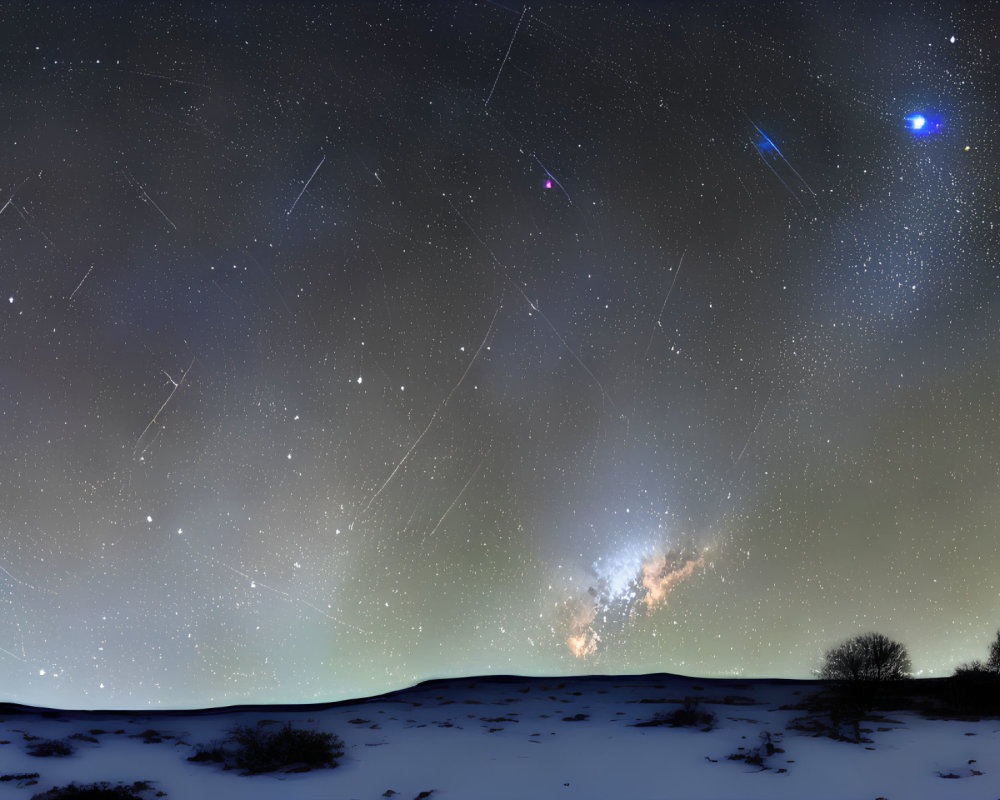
912 686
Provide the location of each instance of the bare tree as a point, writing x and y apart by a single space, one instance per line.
993 660
865 658
972 668
975 686
860 665
990 668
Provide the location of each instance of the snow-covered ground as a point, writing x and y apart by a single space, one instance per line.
501 739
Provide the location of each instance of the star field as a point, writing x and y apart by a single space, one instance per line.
346 346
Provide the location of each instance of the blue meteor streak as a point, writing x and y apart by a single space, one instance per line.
775 160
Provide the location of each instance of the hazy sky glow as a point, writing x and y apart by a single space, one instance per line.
348 346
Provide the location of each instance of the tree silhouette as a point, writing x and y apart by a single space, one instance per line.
975 686
993 660
990 668
859 665
866 658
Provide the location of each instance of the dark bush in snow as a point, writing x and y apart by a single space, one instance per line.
974 689
255 749
757 757
983 669
259 750
215 752
22 778
94 791
47 748
689 715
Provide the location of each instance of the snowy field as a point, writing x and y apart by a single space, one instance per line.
504 738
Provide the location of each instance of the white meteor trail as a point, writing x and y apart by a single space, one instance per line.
506 56
320 164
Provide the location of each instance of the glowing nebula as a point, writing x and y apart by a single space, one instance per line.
582 639
594 619
660 575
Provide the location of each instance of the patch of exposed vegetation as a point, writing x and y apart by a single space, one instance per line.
254 750
22 778
97 791
689 715
50 748
757 756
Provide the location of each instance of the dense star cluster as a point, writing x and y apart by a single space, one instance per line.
349 345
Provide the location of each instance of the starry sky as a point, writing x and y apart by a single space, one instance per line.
350 345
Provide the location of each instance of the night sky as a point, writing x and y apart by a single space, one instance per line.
346 346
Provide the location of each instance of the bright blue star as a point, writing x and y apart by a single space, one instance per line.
923 124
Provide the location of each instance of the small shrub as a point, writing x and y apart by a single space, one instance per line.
22 778
49 748
971 669
974 689
216 752
689 715
255 750
757 757
839 722
266 751
91 791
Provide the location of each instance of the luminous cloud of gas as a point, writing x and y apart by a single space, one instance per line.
350 345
